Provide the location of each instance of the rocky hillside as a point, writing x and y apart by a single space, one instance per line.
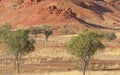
72 14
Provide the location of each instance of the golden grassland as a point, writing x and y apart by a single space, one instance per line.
74 73
55 48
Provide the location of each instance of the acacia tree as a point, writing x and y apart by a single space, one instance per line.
47 31
4 29
35 31
18 43
84 46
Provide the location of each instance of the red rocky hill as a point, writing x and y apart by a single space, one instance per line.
73 14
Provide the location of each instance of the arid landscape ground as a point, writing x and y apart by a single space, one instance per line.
73 15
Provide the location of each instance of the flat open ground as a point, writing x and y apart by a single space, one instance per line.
52 56
74 73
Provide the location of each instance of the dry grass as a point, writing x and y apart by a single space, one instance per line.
56 48
75 73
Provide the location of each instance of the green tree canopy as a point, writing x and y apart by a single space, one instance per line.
84 46
18 43
35 31
4 29
47 31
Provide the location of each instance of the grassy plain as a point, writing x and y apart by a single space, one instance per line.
74 73
52 56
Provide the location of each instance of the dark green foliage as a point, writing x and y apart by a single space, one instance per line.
84 46
35 31
17 43
108 35
5 27
4 30
66 30
47 31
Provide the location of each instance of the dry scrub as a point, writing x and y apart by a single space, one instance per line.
76 73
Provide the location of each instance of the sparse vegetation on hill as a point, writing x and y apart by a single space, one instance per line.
77 14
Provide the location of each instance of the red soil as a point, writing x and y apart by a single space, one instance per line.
75 14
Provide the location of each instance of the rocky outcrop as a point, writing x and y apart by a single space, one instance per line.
29 2
57 13
53 10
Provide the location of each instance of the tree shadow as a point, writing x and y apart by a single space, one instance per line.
95 25
101 8
90 24
96 8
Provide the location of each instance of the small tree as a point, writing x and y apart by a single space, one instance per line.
18 43
47 31
84 46
108 35
4 28
35 31
66 30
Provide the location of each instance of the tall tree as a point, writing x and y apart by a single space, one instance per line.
4 29
84 46
18 43
47 31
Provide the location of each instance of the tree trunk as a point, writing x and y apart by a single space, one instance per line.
35 37
16 64
85 60
5 61
85 67
47 37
